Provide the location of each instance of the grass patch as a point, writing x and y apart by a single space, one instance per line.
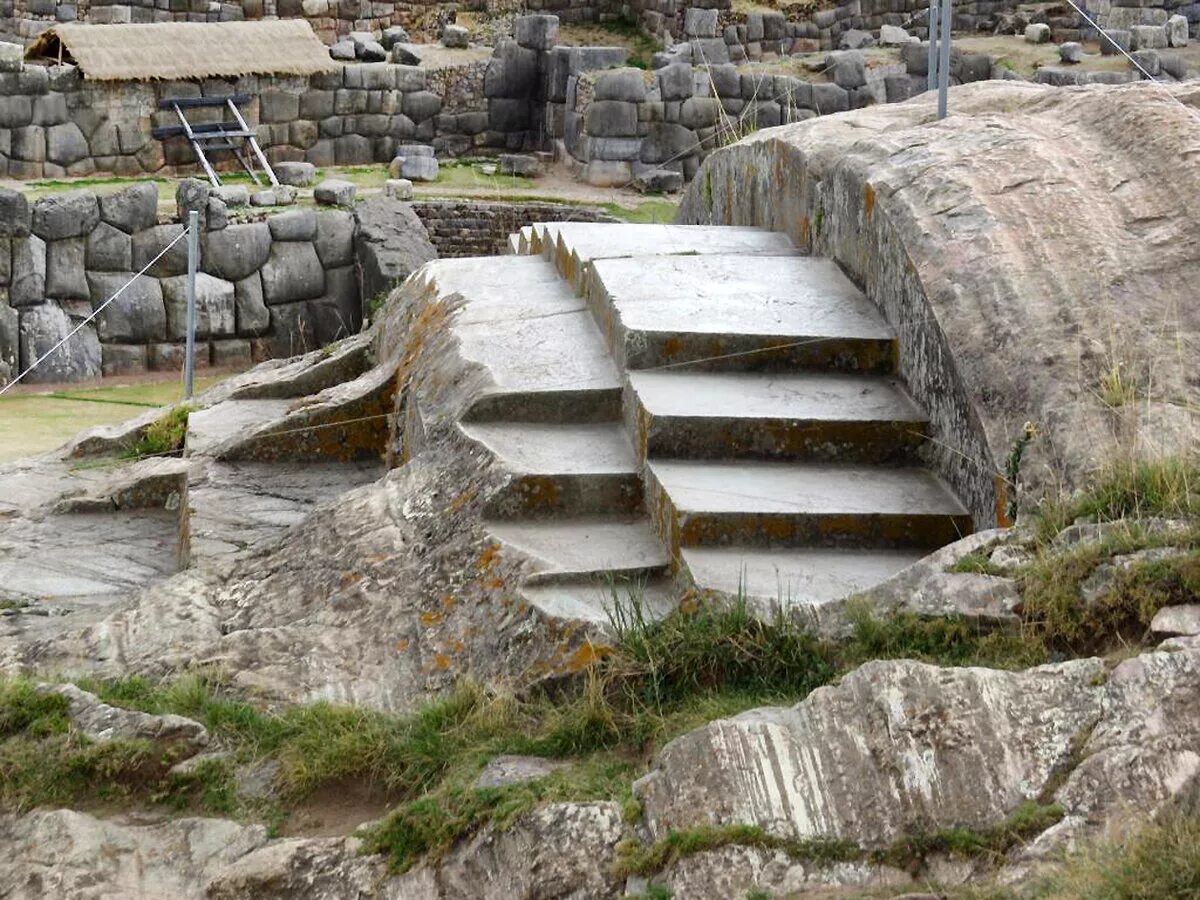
162 437
648 212
1160 860
910 853
635 858
660 679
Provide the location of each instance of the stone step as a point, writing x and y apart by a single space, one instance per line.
538 348
209 430
572 245
564 550
785 580
562 469
600 601
778 504
805 416
716 312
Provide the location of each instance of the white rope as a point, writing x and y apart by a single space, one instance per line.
74 331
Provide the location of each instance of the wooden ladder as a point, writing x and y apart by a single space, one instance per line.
232 136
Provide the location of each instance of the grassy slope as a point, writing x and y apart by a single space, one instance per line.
35 423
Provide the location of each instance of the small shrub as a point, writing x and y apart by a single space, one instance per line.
162 437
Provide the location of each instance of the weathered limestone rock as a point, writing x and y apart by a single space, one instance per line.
1071 52
297 225
109 249
131 209
894 36
455 36
334 238
558 850
391 243
214 306
974 248
292 272
238 251
28 272
252 316
65 279
41 328
1038 33
895 747
1175 621
149 246
191 195
172 859
332 192
1177 31
66 214
15 218
103 723
928 589
136 315
297 174
506 770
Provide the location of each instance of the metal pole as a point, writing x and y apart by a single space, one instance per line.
944 57
189 360
931 65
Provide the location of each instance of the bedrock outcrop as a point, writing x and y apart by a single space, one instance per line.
1035 251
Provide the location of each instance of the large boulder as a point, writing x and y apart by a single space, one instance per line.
41 328
1009 315
131 209
214 307
136 315
391 243
238 251
292 272
66 214
896 747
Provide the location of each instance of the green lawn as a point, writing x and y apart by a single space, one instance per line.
35 423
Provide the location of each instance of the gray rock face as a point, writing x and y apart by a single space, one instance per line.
537 32
512 71
64 215
456 37
28 286
109 249
136 316
41 327
334 238
1038 33
297 174
847 68
292 272
252 315
65 278
15 217
896 747
131 209
390 244
214 307
296 225
611 118
191 195
1175 621
238 251
628 85
332 192
1177 31
506 770
163 249
65 144
1071 52
700 23
558 850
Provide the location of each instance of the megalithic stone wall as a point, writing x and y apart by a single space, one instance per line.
274 287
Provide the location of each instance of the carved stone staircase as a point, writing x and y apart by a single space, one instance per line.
686 405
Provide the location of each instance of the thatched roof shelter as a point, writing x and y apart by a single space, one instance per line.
172 51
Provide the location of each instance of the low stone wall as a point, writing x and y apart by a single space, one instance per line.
54 124
24 20
475 228
267 288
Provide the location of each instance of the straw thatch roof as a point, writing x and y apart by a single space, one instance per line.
182 50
